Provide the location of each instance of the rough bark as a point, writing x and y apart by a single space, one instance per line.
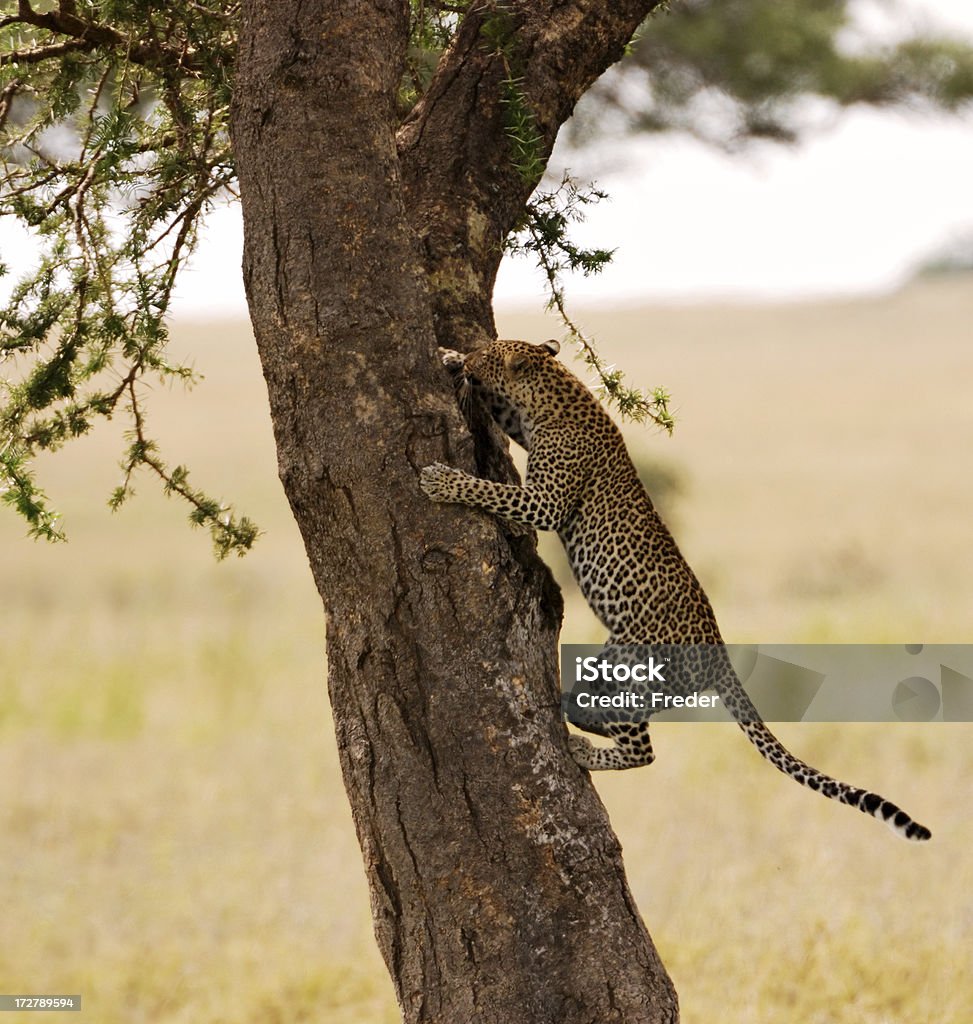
497 886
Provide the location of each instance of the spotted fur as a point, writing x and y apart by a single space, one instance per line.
582 483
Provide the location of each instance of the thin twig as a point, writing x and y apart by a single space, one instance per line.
10 90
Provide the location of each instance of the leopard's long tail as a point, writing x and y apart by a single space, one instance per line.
739 705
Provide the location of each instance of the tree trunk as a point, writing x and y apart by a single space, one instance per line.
496 882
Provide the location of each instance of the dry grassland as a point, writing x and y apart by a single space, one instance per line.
173 833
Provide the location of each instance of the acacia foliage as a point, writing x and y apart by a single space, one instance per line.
114 143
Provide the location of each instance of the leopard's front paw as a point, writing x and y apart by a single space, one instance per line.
453 361
440 482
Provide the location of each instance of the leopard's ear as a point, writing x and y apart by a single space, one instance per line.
515 361
553 346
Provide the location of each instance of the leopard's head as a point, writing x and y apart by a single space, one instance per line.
516 373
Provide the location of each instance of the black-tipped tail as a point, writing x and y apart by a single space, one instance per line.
868 803
896 819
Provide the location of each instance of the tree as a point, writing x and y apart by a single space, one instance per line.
384 153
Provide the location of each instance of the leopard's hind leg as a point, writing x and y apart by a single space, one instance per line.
632 748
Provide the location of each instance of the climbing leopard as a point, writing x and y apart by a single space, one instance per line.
581 482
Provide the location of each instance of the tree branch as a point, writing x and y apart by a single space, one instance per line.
41 53
466 190
85 36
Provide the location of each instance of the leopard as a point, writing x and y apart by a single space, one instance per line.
581 483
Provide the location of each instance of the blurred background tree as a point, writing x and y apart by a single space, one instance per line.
731 71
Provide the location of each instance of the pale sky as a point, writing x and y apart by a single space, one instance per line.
851 211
